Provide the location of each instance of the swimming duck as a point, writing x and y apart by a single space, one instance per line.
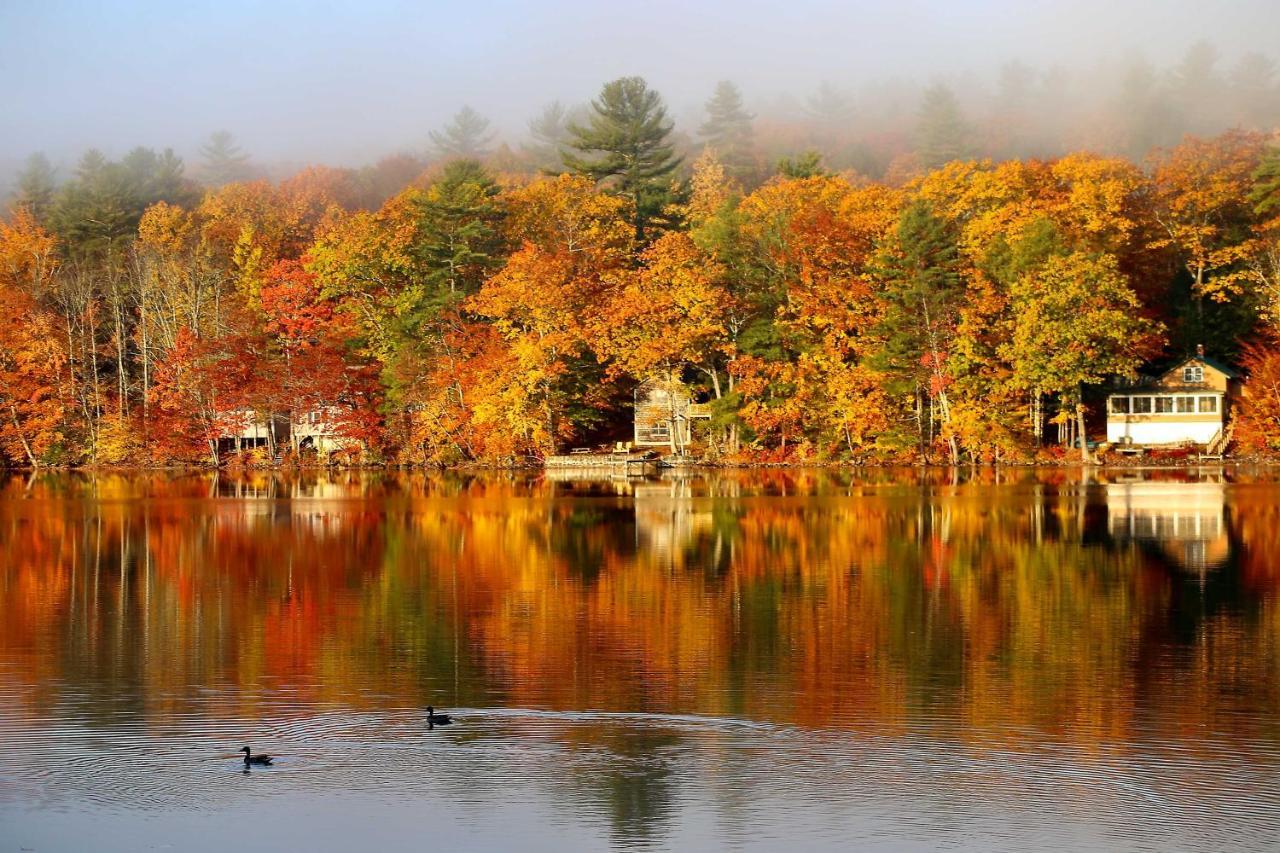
434 719
250 758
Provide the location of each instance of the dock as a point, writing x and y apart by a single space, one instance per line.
628 460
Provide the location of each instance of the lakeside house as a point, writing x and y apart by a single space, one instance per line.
664 415
245 429
1186 404
315 430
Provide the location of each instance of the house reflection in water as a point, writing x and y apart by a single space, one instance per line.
670 522
1187 522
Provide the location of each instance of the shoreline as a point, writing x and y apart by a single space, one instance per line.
1124 464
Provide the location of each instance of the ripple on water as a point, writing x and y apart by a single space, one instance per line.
812 782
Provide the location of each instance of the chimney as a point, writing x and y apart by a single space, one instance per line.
1199 350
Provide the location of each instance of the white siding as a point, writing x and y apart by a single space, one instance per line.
1161 432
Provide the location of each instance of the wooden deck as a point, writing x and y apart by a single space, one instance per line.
632 460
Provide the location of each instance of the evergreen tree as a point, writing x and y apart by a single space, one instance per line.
941 134
549 132
1265 195
728 129
466 135
224 161
94 211
625 140
806 165
1254 91
157 177
1144 110
36 186
99 209
1199 89
830 107
458 240
918 269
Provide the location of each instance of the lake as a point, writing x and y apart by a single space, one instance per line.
978 660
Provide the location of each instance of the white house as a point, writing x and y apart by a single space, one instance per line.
241 429
1185 405
317 430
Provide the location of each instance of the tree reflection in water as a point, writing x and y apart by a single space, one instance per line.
993 609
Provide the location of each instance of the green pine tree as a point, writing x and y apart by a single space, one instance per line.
94 211
549 133
1265 195
625 144
830 108
98 210
458 238
466 135
806 165
224 161
728 130
36 186
941 133
918 270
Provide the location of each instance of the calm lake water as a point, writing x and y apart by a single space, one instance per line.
816 660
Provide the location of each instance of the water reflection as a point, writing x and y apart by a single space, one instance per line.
1187 521
686 658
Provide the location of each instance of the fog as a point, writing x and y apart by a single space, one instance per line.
346 83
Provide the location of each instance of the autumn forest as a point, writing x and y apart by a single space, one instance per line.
937 296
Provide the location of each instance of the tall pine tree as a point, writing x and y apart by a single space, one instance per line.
625 144
224 161
918 268
728 130
941 134
466 135
1265 195
458 242
36 187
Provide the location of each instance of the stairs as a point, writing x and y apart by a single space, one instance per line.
1217 446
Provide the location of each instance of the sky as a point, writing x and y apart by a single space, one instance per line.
347 82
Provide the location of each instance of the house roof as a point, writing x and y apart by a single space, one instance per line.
1205 360
1146 383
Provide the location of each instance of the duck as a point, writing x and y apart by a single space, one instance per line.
250 758
434 719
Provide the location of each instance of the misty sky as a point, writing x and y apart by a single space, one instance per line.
345 83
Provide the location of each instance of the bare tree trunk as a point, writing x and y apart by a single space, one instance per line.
26 448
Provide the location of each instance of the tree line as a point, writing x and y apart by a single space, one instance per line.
471 311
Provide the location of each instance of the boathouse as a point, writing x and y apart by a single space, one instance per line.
318 430
245 429
664 415
1187 404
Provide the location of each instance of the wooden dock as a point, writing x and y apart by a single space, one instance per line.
631 460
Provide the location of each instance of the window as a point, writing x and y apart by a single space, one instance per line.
1164 405
1142 405
1186 405
1193 373
1120 405
1208 405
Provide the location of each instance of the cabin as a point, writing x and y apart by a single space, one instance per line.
245 429
1187 404
664 415
317 430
